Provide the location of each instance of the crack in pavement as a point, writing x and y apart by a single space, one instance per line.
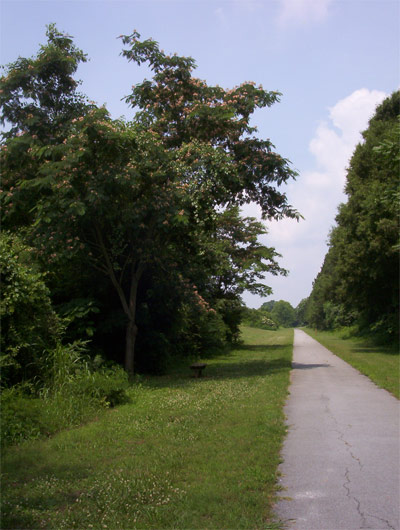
339 462
347 484
348 448
383 520
341 437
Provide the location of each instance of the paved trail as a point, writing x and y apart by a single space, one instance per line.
342 454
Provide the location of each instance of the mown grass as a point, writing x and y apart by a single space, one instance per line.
187 453
379 363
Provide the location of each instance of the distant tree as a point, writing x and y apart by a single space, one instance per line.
259 318
301 312
284 314
268 306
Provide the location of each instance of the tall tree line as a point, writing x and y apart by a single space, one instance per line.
358 284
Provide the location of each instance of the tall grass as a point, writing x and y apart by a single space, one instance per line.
186 453
71 392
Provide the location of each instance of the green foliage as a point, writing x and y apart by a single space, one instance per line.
71 373
108 385
38 100
25 417
301 312
136 202
77 317
38 95
336 316
21 416
176 321
358 283
62 364
271 315
268 306
284 314
235 257
104 387
29 323
259 318
46 385
231 312
211 332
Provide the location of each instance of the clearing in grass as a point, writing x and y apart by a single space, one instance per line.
379 363
187 453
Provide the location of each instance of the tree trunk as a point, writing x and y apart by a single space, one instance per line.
128 304
131 333
132 329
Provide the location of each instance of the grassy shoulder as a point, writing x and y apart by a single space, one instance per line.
187 453
379 363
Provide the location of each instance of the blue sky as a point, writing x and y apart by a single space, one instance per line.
332 60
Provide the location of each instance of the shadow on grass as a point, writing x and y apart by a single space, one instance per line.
260 347
367 348
219 371
248 368
33 505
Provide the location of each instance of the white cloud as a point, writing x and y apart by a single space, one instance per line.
317 193
352 114
302 11
333 146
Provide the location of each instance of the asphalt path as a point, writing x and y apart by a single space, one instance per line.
341 455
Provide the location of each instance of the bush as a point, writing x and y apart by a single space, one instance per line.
212 333
259 318
231 311
29 323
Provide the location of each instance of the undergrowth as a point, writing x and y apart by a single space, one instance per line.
74 389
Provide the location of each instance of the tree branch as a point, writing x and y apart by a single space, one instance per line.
111 273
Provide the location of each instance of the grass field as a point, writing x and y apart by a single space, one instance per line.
186 453
379 363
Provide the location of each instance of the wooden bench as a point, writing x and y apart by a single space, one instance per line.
197 369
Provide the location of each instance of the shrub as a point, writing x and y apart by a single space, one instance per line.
231 311
29 323
212 333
